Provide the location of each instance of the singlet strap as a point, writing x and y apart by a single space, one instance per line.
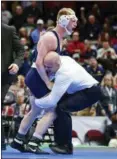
58 42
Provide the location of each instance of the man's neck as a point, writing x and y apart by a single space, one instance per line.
60 31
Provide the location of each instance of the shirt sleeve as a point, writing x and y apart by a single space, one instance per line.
59 88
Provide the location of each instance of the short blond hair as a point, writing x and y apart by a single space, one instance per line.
65 11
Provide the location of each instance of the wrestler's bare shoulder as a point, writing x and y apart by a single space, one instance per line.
48 40
49 36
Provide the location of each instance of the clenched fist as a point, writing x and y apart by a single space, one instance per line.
13 68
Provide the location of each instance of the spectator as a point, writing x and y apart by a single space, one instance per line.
115 81
33 9
114 41
5 14
49 23
106 51
30 24
96 70
64 47
86 112
89 51
9 66
107 57
23 107
92 28
23 41
21 83
76 46
27 63
14 88
109 101
18 19
23 33
104 36
35 35
96 12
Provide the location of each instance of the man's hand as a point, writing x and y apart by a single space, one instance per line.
13 68
82 8
50 85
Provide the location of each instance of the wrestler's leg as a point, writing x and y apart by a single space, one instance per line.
29 117
19 140
45 122
40 130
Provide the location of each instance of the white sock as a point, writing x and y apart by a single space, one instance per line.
38 136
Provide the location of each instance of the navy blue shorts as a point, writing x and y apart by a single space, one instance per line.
36 85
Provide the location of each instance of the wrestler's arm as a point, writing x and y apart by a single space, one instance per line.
59 88
46 44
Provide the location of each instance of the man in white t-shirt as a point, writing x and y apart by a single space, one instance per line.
74 89
70 78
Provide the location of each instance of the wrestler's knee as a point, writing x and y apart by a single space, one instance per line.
51 112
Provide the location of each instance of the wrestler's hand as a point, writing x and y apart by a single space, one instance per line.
50 85
13 68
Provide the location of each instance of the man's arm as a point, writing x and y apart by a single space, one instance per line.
60 87
47 43
19 52
17 48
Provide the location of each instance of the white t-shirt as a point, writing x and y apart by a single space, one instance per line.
70 77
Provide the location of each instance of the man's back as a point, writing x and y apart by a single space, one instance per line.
75 74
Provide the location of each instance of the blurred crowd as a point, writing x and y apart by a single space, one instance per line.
93 44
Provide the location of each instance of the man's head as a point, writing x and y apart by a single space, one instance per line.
67 19
40 24
52 62
30 19
33 4
93 62
105 44
75 36
19 10
91 19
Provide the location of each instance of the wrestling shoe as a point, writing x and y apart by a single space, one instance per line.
62 149
33 146
18 145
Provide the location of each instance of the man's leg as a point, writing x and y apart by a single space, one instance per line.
26 123
63 130
4 89
81 100
63 133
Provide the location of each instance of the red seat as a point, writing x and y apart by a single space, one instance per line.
94 135
74 134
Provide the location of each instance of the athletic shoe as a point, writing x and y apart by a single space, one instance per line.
33 146
62 149
18 145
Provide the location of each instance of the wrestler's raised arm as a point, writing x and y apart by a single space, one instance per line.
47 43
